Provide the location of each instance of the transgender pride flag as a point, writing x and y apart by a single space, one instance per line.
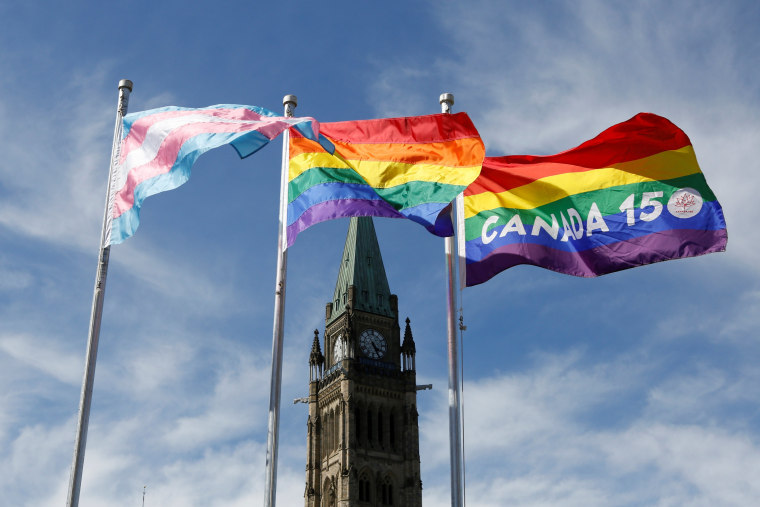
160 146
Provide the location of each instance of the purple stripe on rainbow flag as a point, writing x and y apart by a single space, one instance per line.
431 217
660 246
339 208
334 190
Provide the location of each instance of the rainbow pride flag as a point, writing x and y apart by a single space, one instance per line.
394 167
160 146
631 196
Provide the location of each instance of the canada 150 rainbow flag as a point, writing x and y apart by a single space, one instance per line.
631 196
409 167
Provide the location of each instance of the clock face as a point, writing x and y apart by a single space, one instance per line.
373 344
338 349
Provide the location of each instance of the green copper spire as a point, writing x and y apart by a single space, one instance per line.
362 267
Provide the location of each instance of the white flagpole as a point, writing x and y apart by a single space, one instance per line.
455 431
270 489
75 480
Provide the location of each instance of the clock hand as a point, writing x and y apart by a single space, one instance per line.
375 347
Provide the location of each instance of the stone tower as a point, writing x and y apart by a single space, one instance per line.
363 438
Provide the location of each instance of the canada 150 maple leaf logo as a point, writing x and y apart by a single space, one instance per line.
685 203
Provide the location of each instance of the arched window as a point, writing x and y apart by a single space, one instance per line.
364 488
380 439
358 425
386 492
323 435
370 435
336 429
330 498
392 429
330 426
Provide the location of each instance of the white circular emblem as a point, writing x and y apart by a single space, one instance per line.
685 203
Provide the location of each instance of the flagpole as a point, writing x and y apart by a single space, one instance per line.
455 431
75 480
275 386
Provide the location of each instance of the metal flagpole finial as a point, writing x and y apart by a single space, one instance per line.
125 88
446 100
126 83
290 102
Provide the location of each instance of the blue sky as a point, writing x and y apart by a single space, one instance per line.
637 388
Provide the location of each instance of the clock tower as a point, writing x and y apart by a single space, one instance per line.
362 432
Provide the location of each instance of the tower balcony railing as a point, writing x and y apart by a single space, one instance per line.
366 365
332 369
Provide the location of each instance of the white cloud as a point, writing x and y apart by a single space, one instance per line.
183 281
540 437
34 462
13 278
231 410
43 354
154 366
736 323
711 466
52 186
137 438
